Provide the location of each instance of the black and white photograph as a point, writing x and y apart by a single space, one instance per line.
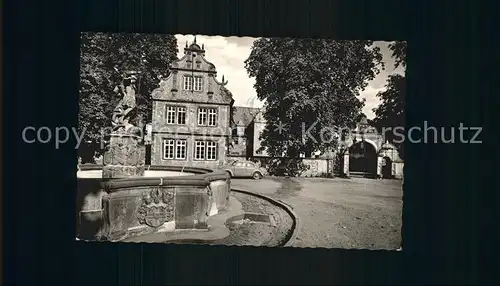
277 142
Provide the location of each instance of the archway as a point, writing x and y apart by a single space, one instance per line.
387 168
363 160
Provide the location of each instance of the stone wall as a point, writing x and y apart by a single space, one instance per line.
89 208
120 208
397 170
317 167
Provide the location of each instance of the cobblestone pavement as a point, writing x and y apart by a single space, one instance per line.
258 233
339 213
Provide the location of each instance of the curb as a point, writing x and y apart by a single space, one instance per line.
289 210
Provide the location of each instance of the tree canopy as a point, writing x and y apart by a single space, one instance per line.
390 112
303 81
398 49
104 59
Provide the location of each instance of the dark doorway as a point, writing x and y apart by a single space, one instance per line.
362 160
387 168
148 155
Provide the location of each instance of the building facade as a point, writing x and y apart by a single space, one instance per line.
195 124
242 141
191 117
364 153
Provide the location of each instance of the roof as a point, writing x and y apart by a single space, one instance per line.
363 120
194 46
244 114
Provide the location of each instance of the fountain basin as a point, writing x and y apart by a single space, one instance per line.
167 198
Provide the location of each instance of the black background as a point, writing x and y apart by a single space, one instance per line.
449 230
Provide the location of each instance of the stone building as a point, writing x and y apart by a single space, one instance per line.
362 153
195 124
191 114
242 140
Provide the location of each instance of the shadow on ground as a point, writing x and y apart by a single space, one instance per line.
289 186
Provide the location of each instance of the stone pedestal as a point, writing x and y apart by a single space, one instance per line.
346 163
125 157
380 162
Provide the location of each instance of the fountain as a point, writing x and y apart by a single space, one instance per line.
122 199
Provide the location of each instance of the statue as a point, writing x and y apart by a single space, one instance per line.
126 108
125 154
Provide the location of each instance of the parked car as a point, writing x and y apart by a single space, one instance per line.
244 169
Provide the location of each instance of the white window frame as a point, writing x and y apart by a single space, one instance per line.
198 83
212 117
181 110
209 115
172 114
211 145
168 144
199 145
202 114
188 82
180 145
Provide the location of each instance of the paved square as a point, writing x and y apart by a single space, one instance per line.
339 213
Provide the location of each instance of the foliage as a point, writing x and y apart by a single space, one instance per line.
281 166
104 59
390 112
398 49
303 81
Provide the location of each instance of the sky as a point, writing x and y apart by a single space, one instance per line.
228 54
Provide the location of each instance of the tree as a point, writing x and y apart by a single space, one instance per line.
104 59
309 81
398 49
390 112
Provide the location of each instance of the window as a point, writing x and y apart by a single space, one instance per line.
198 83
199 153
207 116
180 149
205 150
202 116
170 115
250 165
212 117
171 145
181 115
211 150
176 115
188 82
193 83
168 149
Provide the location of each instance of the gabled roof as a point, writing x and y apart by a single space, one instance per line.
244 115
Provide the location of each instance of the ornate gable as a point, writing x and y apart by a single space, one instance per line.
193 79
